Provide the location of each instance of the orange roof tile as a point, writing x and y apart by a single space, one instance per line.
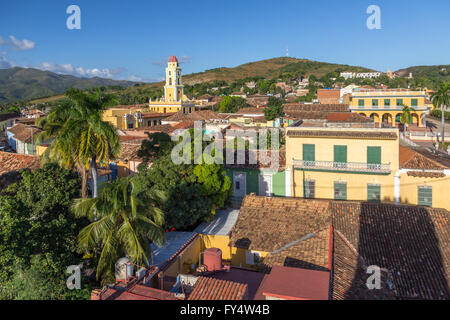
215 289
13 161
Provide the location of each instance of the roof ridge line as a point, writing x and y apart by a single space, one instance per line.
352 248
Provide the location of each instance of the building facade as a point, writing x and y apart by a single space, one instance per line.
385 106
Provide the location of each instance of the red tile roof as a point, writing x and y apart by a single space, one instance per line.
347 117
292 107
195 116
129 151
412 159
23 132
409 243
13 161
137 292
173 59
215 289
344 134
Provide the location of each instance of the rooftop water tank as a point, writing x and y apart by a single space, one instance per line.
124 269
212 259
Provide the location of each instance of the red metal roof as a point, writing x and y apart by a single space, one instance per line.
295 284
173 59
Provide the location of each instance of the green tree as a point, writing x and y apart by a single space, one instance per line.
39 234
274 109
232 104
405 117
441 99
123 222
52 126
194 191
157 144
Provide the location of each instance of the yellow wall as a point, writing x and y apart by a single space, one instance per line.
188 256
356 147
409 190
235 255
115 116
40 150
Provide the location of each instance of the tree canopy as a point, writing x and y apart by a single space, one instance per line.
39 235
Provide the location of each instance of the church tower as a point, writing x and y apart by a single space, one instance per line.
173 90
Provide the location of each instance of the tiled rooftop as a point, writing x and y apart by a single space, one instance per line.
23 132
421 159
215 289
369 134
410 242
295 107
13 161
269 223
195 116
129 150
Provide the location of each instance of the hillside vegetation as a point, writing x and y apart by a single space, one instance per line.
435 73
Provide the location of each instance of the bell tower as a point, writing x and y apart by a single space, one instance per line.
173 90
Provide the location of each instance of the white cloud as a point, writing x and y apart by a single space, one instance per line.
80 71
22 44
16 44
135 78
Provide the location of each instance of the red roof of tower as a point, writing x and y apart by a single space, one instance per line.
173 59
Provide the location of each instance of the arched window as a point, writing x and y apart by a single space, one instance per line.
170 81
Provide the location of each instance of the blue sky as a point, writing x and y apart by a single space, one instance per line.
133 39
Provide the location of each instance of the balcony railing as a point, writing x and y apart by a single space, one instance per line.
343 166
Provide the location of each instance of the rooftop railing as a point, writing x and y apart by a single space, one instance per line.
343 166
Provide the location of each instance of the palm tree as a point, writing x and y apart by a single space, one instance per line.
441 98
81 135
405 117
65 157
123 222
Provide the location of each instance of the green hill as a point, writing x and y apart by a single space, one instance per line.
269 68
437 73
26 83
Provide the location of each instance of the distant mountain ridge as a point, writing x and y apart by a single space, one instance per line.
28 83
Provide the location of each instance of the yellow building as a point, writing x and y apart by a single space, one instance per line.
174 98
131 117
364 164
385 106
124 117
